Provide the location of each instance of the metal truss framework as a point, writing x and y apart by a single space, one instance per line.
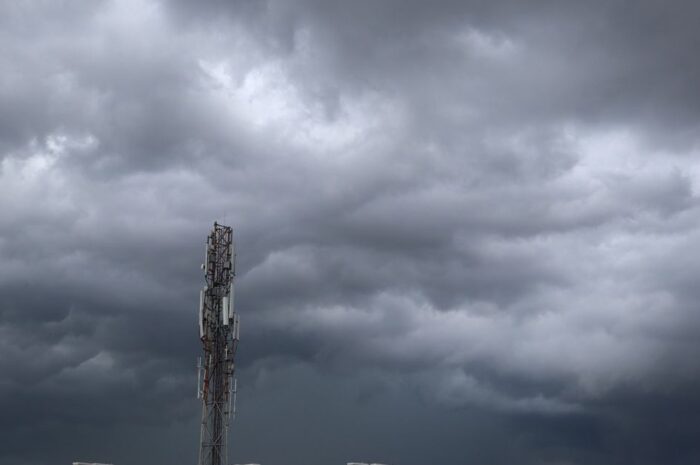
219 332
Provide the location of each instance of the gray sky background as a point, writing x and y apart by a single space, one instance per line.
467 231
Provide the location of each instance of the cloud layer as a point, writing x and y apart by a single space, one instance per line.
465 230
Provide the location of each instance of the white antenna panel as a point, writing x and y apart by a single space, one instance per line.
201 313
224 310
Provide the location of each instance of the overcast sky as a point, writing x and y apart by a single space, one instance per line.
468 231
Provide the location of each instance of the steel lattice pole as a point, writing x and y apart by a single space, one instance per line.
219 329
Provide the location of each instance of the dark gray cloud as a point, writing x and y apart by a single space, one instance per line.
465 229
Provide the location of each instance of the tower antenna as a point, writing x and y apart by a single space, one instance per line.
218 331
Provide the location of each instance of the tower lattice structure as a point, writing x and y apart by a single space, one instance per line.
219 332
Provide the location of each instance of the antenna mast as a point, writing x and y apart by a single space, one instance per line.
218 331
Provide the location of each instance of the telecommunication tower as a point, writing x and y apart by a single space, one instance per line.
219 331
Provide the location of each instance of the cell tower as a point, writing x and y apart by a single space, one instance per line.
218 331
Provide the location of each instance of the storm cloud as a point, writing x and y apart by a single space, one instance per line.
466 230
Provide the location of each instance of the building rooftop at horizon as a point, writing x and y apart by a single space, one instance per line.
90 463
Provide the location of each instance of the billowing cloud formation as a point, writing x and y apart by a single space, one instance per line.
466 230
